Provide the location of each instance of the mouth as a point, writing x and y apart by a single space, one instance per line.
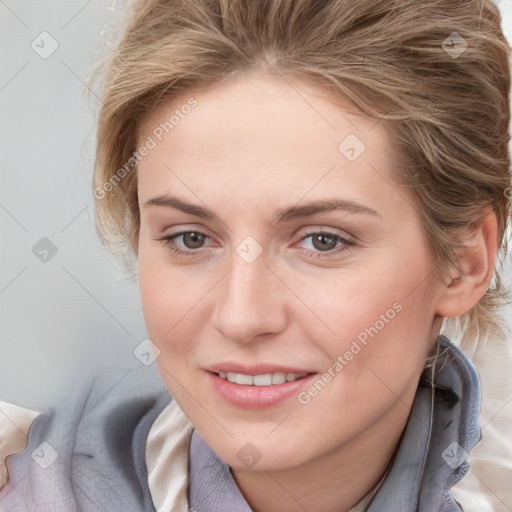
258 387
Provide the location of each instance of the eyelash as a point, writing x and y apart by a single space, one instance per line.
168 242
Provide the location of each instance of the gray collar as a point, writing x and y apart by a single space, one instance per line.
443 428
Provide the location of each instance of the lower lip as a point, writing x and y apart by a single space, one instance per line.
257 397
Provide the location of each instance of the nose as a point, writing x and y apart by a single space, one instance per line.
251 302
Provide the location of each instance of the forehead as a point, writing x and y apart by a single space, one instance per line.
265 134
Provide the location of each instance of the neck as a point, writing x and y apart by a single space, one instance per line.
335 481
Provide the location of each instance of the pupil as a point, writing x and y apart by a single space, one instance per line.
193 240
324 242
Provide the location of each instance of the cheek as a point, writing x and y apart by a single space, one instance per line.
170 301
378 321
170 307
347 303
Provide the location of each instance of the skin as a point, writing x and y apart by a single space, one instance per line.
253 145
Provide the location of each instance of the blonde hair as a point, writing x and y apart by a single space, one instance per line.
436 72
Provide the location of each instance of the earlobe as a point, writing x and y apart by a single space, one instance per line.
473 276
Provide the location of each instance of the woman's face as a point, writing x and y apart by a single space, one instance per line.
278 251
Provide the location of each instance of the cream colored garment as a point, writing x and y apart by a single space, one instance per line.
167 451
487 487
15 423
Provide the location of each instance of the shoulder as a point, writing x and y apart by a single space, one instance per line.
486 487
85 450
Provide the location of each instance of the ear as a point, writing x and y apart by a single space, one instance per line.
472 278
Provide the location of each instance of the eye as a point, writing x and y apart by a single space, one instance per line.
193 239
324 243
317 244
184 242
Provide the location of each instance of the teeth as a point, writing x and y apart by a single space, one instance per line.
245 380
278 378
262 380
266 379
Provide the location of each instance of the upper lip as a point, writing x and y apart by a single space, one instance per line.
254 369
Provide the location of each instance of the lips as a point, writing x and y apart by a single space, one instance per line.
257 387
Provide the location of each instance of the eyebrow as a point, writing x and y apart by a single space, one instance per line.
294 212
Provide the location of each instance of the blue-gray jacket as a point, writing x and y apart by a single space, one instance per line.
93 444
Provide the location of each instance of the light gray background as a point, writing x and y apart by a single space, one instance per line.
77 309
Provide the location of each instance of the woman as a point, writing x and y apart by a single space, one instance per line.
308 188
